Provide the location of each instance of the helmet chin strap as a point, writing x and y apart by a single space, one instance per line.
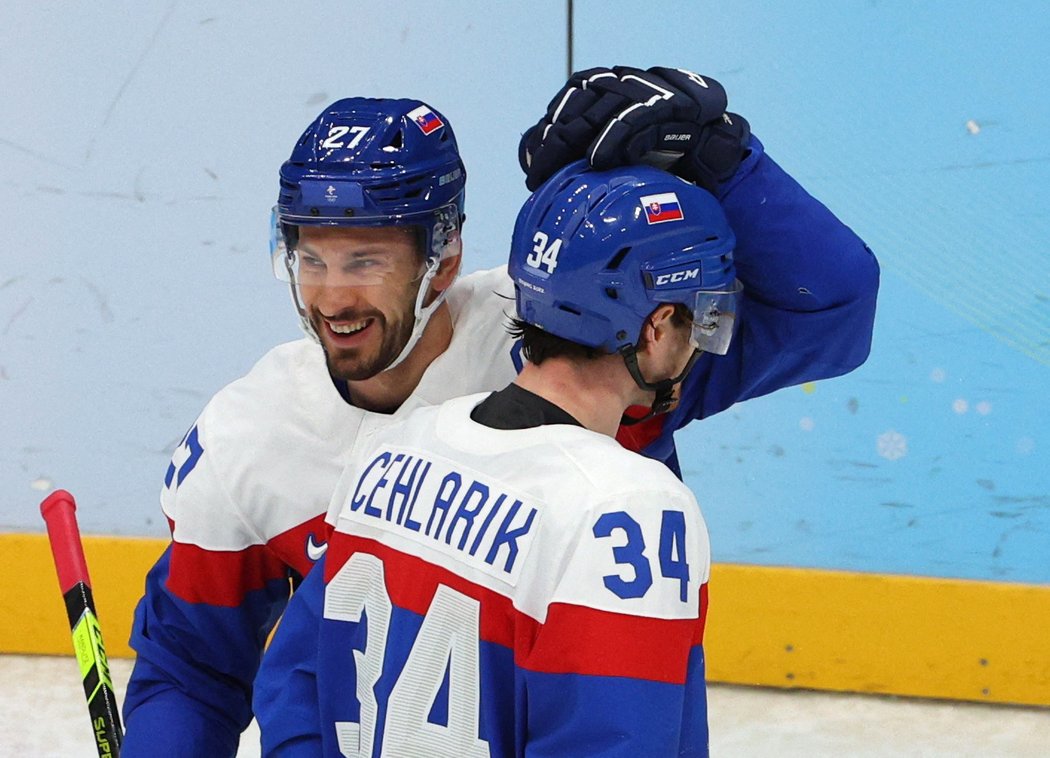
304 322
663 388
422 312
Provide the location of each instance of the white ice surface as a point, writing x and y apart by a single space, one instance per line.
47 716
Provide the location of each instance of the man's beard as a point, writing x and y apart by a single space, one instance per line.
352 364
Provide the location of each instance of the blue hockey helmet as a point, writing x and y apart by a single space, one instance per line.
372 162
595 252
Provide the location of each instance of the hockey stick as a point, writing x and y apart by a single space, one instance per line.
59 512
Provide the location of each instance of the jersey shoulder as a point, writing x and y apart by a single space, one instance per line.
482 304
263 455
289 381
481 354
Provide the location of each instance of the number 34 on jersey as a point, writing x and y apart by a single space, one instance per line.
447 644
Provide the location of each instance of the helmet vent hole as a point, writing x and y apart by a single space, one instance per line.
569 309
612 293
616 260
396 142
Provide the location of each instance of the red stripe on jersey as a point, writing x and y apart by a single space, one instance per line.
220 577
698 639
579 640
411 583
291 547
574 639
224 577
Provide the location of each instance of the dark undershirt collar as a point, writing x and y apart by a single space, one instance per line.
515 408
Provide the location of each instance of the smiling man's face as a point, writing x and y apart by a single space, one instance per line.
358 286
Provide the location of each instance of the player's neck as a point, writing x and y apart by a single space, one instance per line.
594 392
387 390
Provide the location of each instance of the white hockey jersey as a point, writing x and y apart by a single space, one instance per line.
487 592
254 475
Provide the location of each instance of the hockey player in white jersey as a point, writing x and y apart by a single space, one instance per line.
366 232
504 579
367 227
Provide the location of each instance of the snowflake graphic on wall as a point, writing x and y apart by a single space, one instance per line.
892 445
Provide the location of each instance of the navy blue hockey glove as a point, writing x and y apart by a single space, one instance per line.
670 118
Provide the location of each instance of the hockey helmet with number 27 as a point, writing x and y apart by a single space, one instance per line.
372 162
595 252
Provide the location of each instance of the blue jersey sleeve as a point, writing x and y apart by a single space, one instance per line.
190 690
286 700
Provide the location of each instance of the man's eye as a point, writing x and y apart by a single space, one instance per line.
360 264
309 261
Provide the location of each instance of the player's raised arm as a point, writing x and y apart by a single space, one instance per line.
810 287
809 282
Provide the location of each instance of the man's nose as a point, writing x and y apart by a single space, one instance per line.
338 293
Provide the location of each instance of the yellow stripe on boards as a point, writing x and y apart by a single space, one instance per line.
33 612
768 626
900 635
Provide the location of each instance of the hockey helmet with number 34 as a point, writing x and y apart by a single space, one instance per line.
595 252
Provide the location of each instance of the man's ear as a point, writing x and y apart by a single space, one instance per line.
659 323
655 327
448 268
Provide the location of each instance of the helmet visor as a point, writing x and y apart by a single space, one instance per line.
714 319
292 261
317 265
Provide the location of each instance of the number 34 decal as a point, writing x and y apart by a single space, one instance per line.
543 254
672 555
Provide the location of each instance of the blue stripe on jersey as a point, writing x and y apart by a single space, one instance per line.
558 714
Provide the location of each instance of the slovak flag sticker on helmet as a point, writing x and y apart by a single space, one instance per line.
661 208
426 119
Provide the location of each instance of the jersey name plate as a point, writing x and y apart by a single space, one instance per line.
443 506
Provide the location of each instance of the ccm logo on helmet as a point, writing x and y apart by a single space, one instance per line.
676 277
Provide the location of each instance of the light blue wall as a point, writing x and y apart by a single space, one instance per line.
926 128
138 149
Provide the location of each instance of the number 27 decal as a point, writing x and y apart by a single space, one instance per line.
673 563
336 134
